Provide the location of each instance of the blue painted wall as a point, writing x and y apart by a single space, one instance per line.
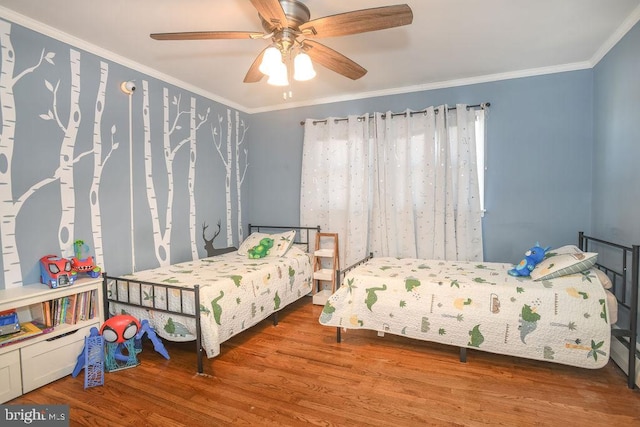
66 127
539 157
616 182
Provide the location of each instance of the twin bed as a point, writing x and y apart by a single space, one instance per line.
565 316
212 299
563 313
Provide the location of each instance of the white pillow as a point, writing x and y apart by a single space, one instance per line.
568 249
281 243
563 264
572 249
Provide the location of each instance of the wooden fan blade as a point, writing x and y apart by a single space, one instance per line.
207 35
271 11
333 60
254 75
359 21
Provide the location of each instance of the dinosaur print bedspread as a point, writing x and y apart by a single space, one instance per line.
479 306
235 293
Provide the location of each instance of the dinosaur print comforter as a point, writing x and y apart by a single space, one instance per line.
235 293
479 306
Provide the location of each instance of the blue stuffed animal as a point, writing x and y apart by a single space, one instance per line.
531 258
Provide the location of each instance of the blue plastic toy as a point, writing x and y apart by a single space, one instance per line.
151 334
531 258
92 360
115 347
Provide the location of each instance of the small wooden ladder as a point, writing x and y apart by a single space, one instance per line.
326 261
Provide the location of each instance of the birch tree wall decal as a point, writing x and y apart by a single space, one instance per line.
66 229
98 166
71 187
227 162
241 131
9 204
191 180
162 235
161 250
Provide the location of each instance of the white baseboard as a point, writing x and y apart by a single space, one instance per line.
620 354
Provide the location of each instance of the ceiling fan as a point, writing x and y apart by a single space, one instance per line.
287 23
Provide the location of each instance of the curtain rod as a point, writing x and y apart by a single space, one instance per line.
483 106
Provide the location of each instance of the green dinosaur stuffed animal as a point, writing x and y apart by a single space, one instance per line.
261 250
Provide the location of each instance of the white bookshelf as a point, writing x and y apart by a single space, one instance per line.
35 361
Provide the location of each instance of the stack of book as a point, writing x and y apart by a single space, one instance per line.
27 330
70 309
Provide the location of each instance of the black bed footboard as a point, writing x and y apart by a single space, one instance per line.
129 292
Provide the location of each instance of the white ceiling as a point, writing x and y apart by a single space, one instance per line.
451 42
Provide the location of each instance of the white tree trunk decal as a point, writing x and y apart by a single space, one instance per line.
67 190
194 125
191 179
227 162
98 166
162 235
148 168
240 135
8 207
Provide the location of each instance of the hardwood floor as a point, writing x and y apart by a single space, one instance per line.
296 374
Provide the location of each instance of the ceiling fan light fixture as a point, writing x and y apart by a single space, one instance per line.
303 67
271 60
278 76
288 24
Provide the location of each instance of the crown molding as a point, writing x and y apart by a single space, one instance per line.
622 30
431 86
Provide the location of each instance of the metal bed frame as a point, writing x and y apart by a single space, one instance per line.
627 298
625 288
135 293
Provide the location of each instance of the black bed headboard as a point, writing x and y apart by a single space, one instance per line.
625 289
303 234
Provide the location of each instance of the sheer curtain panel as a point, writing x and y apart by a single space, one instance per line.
335 182
400 185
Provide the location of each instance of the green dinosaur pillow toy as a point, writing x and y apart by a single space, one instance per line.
261 250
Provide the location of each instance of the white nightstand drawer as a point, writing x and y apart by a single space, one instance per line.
10 385
47 361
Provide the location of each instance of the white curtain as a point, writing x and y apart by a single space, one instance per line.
335 182
414 178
